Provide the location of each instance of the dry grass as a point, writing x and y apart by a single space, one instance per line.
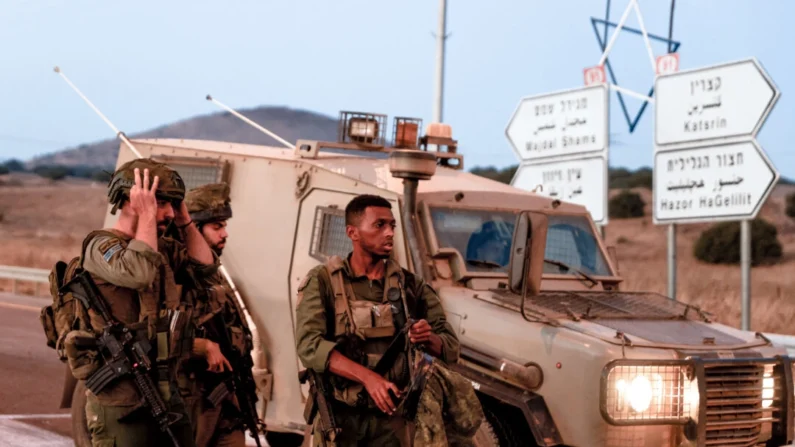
43 223
641 249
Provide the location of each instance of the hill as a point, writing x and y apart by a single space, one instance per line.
289 124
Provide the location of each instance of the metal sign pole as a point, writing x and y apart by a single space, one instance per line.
745 265
672 261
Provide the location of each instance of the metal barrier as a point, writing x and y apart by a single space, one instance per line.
26 274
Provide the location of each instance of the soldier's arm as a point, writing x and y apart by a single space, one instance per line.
197 247
443 342
187 270
133 266
310 326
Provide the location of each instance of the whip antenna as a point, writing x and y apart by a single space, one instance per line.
251 123
126 141
119 133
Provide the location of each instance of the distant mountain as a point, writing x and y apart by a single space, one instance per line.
290 124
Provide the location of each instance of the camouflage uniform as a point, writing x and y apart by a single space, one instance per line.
320 321
222 425
140 286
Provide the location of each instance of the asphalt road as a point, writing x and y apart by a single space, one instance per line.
31 379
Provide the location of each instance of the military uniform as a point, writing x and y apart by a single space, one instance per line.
359 325
142 288
220 425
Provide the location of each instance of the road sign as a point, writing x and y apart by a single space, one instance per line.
558 124
667 63
582 181
729 181
729 100
594 75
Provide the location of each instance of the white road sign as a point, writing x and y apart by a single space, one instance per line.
717 182
580 181
730 100
559 124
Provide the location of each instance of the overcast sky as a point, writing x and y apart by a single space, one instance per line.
147 63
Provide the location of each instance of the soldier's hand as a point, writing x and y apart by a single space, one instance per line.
182 217
142 196
215 359
420 332
378 388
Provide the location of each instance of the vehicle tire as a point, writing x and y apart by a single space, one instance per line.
80 434
279 439
485 436
507 423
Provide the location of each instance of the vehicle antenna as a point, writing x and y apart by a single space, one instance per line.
129 144
251 123
119 133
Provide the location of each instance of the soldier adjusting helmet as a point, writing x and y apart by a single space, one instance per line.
170 186
209 203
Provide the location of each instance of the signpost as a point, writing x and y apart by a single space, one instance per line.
711 183
561 140
730 100
582 181
707 165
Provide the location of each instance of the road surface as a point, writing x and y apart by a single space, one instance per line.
31 379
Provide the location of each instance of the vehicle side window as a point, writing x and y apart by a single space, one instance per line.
328 234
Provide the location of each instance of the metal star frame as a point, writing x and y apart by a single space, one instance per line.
606 46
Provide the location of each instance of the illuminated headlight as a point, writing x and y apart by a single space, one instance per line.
768 387
362 129
643 392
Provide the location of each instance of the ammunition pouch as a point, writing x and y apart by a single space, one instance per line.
82 354
47 318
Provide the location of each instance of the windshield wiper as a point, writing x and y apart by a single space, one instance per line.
567 267
482 263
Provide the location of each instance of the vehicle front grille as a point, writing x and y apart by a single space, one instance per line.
741 397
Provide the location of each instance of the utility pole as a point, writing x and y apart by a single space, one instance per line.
441 37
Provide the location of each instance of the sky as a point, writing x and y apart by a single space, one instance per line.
148 63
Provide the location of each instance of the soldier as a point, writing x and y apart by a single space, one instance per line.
218 424
344 325
139 273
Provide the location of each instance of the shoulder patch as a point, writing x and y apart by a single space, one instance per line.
109 252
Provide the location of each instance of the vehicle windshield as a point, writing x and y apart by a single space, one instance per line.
484 239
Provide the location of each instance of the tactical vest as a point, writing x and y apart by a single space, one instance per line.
207 304
143 310
363 329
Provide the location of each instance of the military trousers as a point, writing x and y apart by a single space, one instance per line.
139 429
216 427
362 427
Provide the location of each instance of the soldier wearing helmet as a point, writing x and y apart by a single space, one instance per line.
140 274
217 421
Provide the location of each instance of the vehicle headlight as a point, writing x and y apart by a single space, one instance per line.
649 392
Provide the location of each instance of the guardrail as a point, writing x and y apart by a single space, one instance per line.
24 274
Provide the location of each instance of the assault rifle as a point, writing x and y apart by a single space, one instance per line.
239 381
124 353
318 402
402 324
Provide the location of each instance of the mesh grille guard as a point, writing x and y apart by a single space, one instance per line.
607 304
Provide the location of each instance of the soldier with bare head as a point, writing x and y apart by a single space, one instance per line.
345 325
139 273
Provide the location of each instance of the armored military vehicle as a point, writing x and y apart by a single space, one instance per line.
558 353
